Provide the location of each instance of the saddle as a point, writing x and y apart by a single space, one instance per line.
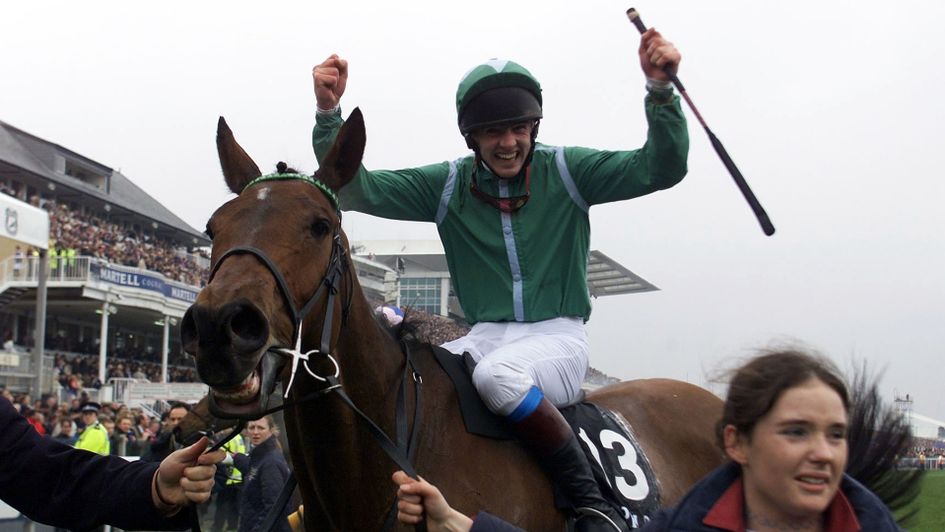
620 466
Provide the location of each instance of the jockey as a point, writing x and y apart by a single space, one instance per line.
513 219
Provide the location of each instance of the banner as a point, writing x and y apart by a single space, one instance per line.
134 278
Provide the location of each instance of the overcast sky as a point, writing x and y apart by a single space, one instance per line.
832 110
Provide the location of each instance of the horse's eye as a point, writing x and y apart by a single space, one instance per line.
321 227
208 231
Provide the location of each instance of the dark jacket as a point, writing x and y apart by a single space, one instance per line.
688 515
486 522
162 446
53 483
265 472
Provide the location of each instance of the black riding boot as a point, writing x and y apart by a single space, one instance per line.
546 433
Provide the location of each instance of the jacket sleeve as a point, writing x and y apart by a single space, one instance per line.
53 483
605 176
486 522
411 194
241 462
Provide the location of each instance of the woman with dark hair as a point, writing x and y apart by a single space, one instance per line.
785 428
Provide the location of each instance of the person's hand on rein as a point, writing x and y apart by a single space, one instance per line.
185 476
418 499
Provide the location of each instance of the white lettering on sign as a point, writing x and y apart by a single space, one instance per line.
180 293
122 278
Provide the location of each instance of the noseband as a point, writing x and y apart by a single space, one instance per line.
338 266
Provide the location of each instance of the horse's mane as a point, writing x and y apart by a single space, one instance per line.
408 330
284 168
421 328
878 436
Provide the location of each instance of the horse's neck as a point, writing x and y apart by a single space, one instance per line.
370 361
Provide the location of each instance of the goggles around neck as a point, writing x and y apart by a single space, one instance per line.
507 205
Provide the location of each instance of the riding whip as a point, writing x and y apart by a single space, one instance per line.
756 207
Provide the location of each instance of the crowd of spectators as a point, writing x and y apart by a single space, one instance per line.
131 431
75 372
73 233
926 453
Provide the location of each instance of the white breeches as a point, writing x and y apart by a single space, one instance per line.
512 357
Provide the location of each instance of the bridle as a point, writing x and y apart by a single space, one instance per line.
338 265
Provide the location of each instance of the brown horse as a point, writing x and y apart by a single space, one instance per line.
276 246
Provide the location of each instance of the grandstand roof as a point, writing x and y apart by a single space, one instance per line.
605 276
46 166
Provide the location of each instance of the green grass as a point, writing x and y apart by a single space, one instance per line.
931 504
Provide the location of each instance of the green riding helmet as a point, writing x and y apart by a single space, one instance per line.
497 92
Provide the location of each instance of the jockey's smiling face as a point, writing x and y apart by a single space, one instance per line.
505 147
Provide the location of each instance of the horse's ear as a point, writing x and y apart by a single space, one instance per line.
238 168
344 158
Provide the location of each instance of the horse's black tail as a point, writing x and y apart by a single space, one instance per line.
878 436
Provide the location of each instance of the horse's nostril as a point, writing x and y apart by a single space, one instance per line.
248 328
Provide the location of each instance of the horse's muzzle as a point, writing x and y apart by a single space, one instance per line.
226 342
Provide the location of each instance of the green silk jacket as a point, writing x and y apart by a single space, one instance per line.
530 265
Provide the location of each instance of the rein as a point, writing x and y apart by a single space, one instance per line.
404 450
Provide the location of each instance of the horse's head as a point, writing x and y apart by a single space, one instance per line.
273 246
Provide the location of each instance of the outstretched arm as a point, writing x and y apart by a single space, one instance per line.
47 481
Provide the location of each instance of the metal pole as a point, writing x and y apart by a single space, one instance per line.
39 338
103 343
165 347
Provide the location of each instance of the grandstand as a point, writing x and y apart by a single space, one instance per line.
121 270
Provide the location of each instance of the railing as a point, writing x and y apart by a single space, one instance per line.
17 371
929 464
25 271
199 260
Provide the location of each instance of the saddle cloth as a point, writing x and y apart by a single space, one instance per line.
620 467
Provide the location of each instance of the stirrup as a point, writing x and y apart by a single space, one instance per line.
587 513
